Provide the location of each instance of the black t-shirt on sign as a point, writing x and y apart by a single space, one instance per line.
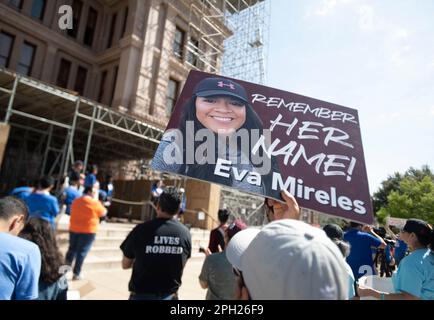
160 248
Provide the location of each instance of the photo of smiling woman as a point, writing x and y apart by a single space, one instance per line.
218 110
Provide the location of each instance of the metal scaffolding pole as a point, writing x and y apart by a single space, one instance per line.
47 149
71 137
11 100
89 137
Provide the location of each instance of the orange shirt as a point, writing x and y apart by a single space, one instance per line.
85 214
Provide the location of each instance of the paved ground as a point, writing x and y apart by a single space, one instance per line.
112 284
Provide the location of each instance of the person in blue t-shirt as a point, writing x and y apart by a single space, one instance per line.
72 192
400 246
23 190
361 240
41 203
20 260
414 278
400 251
91 179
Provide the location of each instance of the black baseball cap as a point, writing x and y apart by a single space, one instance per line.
333 231
220 87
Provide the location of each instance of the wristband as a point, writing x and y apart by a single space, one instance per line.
382 297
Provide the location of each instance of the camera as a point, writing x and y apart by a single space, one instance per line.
389 242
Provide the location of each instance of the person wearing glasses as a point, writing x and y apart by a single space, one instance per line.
287 260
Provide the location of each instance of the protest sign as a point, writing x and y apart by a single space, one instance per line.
260 140
396 222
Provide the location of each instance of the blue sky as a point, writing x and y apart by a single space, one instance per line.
376 56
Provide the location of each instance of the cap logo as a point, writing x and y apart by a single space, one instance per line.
221 84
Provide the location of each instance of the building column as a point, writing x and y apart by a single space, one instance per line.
4 135
48 72
129 63
142 94
202 196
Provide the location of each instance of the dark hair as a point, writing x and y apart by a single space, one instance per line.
74 177
40 232
170 200
223 215
333 231
23 182
355 224
88 190
93 168
45 182
202 171
12 206
423 231
432 240
344 247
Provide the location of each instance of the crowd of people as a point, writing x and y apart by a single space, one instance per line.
285 259
31 264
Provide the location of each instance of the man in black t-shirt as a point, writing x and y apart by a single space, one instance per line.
157 251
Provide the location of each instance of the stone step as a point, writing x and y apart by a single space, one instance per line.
93 262
105 253
101 233
113 242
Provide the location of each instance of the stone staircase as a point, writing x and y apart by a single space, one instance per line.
105 252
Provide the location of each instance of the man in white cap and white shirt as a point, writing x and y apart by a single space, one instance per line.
287 260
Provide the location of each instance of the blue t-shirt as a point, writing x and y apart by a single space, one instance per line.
400 249
21 192
44 206
90 180
20 266
415 274
361 253
387 254
71 193
110 189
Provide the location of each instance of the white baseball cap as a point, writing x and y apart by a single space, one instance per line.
238 244
291 260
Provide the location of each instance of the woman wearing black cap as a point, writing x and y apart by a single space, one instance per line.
221 106
414 278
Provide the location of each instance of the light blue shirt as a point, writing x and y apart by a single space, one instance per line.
20 266
351 279
415 274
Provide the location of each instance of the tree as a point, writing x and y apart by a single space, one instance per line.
393 183
413 199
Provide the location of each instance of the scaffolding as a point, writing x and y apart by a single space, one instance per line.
230 37
246 52
51 127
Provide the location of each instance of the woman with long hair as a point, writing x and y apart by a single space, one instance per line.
220 108
52 283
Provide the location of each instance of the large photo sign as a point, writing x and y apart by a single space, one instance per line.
262 140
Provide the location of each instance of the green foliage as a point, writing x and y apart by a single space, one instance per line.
413 199
393 183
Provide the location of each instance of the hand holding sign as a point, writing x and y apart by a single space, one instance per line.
287 210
